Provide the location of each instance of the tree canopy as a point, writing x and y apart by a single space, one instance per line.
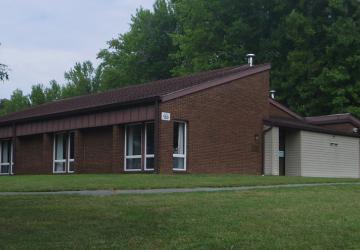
313 46
4 75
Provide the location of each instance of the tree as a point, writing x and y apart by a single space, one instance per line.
314 46
17 102
81 80
3 72
37 95
53 92
142 54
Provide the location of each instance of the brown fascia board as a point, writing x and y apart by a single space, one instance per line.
285 109
306 127
145 101
216 82
333 119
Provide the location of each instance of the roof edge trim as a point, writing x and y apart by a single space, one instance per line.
285 109
307 127
216 82
342 118
145 101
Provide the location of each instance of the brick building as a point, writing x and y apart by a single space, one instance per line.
220 121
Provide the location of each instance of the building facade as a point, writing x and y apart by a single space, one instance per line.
220 121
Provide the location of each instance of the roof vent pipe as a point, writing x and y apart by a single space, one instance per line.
250 58
272 94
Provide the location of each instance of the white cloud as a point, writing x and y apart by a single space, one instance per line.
43 38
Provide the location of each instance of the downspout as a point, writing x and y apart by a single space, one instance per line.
157 135
263 148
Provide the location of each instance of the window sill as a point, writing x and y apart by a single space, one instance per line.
132 170
179 170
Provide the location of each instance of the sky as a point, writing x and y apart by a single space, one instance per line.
41 39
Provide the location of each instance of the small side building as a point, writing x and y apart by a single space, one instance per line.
324 146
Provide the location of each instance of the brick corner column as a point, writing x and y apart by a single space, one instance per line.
47 153
165 160
16 154
79 151
117 149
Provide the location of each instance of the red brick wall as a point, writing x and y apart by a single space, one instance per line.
95 150
118 148
34 155
222 125
278 113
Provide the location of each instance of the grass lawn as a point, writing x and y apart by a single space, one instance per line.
144 181
290 218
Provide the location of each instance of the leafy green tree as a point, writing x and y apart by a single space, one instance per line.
17 102
314 46
81 80
4 75
142 54
53 92
320 67
3 72
37 95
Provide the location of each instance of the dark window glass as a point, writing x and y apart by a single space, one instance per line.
71 166
134 163
72 150
149 163
60 167
178 163
133 140
150 138
5 169
60 147
179 138
5 151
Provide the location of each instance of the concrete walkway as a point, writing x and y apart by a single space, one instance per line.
173 190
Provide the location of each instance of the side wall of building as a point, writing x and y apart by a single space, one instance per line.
96 150
293 153
34 154
324 155
224 127
275 112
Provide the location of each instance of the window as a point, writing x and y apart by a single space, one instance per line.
6 154
133 147
179 147
64 153
149 146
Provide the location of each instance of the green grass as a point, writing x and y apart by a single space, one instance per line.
144 181
290 218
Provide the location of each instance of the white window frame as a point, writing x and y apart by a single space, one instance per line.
11 162
67 160
184 156
147 156
132 156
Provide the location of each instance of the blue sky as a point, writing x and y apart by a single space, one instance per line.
41 39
